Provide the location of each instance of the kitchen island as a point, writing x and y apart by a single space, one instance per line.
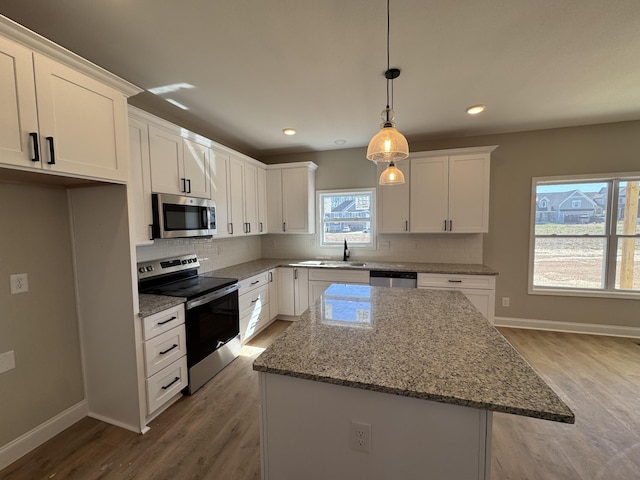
384 383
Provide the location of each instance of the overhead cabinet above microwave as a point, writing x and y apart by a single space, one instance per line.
445 191
179 166
56 118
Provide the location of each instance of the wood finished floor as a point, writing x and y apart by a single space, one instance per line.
215 433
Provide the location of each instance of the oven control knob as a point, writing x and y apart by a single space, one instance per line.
184 262
190 260
141 269
149 268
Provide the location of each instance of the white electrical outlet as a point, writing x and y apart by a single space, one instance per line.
360 437
7 361
19 283
384 245
506 301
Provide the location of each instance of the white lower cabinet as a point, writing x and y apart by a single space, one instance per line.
254 305
479 289
293 291
320 279
165 358
274 304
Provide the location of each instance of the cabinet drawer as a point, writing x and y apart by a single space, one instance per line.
165 384
161 322
252 322
252 283
164 349
339 276
254 299
487 282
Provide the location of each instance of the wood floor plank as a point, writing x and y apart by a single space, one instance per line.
215 433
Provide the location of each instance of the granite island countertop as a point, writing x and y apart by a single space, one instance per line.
426 344
248 269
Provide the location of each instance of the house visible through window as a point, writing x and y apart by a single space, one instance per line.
586 236
346 215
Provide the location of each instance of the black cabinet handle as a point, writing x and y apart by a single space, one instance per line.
52 153
295 273
284 227
36 147
189 183
270 277
230 229
455 281
167 321
260 227
248 227
172 347
150 231
451 225
254 301
257 281
406 225
445 225
174 381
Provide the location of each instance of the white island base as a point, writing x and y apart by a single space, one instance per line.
306 428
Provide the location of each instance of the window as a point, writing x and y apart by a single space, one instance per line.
346 215
586 239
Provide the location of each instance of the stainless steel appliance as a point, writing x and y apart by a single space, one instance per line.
384 278
175 216
212 312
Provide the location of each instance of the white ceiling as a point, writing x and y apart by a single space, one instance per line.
257 67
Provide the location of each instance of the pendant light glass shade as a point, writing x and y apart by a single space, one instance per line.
388 145
391 175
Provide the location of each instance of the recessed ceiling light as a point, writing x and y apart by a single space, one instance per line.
476 109
289 131
340 141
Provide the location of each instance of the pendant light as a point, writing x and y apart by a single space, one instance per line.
391 175
389 145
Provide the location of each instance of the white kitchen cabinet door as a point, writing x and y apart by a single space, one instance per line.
166 161
18 115
219 192
469 193
196 169
251 199
429 194
82 122
235 197
393 202
293 291
140 182
295 201
274 201
274 294
263 222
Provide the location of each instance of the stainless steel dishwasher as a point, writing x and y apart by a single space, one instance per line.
387 278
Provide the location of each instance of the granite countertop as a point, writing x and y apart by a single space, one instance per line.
248 269
150 304
426 344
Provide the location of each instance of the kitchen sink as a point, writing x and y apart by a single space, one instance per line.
329 264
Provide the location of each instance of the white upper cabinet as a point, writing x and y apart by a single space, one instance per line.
445 191
393 202
79 126
242 197
140 184
263 226
179 166
291 197
219 189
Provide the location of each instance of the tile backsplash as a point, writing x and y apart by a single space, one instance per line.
220 253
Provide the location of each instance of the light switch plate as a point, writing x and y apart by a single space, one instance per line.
19 283
7 361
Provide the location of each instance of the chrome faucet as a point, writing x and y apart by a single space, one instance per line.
345 255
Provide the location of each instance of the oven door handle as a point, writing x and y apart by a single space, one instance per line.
209 297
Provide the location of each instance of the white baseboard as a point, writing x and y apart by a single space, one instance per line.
22 445
569 327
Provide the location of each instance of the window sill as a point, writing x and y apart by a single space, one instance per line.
566 292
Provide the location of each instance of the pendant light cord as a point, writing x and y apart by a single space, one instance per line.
388 55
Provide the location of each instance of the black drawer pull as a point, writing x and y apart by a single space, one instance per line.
254 301
52 153
174 346
177 379
455 281
257 281
167 321
36 147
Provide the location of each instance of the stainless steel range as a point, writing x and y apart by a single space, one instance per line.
212 317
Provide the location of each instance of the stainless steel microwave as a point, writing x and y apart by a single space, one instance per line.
175 216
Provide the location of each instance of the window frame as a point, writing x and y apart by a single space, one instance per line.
610 235
372 220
